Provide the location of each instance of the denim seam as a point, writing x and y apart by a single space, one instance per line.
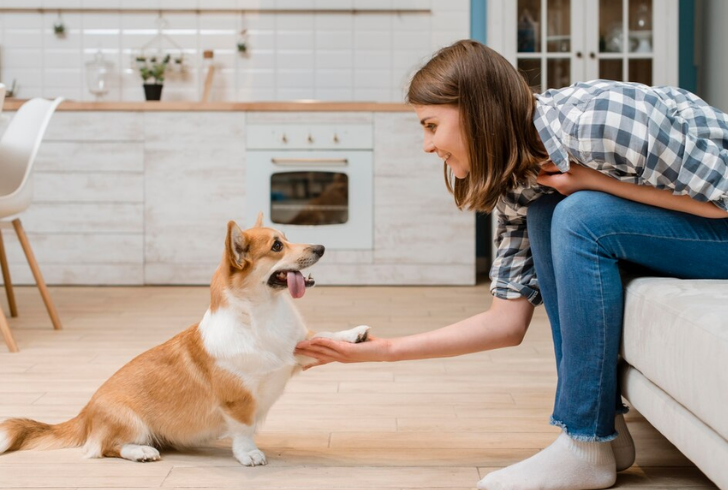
597 246
604 335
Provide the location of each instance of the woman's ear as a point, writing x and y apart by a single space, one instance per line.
236 246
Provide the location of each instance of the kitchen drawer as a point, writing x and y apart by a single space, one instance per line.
310 137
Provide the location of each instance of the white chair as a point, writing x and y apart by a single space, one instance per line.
18 149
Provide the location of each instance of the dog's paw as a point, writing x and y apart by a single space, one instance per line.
252 458
354 335
362 333
140 454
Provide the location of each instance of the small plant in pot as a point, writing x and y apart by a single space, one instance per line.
152 70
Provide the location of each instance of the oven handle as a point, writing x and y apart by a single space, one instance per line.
295 162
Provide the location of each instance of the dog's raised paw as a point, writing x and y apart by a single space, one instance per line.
362 333
252 458
353 335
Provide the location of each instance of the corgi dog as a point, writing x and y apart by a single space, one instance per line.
216 379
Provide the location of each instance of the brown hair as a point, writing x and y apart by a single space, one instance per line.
496 117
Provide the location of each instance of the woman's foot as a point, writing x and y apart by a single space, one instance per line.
623 445
564 465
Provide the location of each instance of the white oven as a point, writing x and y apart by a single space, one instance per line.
313 182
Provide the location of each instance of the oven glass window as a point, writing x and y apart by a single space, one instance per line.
309 198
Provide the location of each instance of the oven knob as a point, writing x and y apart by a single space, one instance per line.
284 139
310 138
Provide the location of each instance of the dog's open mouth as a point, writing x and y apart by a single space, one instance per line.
293 280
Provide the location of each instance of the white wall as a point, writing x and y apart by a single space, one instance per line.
713 69
327 56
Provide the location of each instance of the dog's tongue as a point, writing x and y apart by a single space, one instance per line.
296 284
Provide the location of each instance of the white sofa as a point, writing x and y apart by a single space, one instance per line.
675 369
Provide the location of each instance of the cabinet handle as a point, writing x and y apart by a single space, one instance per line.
284 139
310 138
592 55
336 138
578 54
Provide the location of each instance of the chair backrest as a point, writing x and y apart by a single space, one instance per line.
21 141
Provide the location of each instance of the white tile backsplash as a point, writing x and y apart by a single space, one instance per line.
23 58
331 79
327 55
334 60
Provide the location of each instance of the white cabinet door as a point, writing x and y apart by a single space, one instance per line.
558 42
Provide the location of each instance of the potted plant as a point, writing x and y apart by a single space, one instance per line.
153 69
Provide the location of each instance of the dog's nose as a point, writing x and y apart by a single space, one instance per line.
318 250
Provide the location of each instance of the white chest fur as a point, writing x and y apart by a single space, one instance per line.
256 343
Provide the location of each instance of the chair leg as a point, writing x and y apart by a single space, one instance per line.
6 279
7 334
36 273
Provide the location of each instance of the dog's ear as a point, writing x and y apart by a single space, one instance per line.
259 221
236 246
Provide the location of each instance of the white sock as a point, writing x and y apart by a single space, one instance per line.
564 465
623 445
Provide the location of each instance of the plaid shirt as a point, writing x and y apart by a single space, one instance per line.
664 137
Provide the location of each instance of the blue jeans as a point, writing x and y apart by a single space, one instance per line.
579 243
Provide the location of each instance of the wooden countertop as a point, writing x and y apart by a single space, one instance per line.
302 106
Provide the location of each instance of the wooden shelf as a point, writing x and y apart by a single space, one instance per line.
44 10
275 106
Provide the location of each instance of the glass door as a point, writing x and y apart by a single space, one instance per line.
548 38
625 44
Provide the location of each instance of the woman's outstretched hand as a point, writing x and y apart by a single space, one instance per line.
578 178
328 350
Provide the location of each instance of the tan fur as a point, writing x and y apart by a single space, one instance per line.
175 394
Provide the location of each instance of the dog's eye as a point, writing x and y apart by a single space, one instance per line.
277 246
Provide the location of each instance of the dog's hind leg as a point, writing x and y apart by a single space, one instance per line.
122 436
138 453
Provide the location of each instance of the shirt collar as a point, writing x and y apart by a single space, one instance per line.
548 125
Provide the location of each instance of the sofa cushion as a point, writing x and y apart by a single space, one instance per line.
676 335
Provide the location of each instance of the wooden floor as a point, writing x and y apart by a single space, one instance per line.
420 424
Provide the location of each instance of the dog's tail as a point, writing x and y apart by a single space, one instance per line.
17 434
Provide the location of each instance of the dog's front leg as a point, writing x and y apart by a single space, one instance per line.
244 448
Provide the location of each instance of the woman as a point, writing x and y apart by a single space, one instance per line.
585 179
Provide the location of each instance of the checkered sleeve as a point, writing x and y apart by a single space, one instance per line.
513 274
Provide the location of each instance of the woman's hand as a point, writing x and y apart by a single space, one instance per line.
328 350
578 178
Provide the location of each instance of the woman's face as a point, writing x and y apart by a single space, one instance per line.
443 136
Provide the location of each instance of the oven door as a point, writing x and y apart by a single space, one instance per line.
322 197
